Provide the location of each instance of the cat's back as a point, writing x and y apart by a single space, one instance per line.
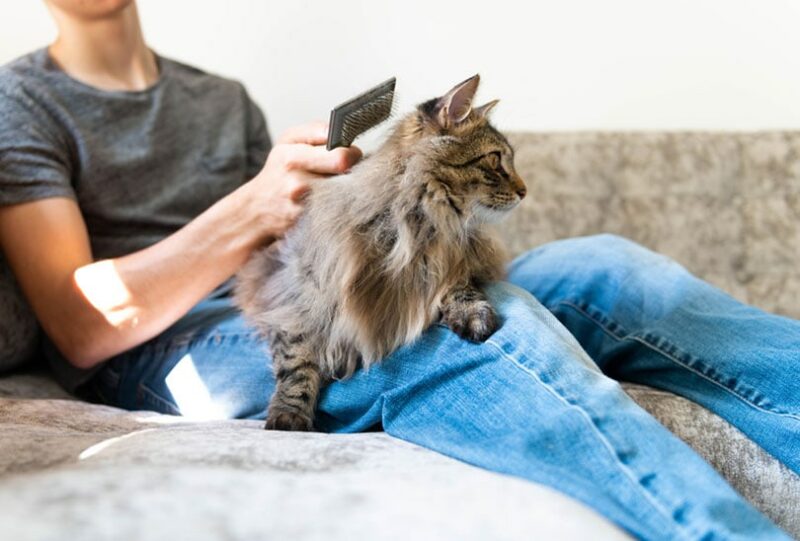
336 207
327 242
342 192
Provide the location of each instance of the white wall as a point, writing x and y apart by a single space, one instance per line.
556 65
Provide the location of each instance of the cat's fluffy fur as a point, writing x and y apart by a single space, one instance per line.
382 252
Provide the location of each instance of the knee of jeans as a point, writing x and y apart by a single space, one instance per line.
606 251
522 315
571 266
601 250
517 309
507 298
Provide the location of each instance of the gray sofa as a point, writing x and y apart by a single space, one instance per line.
724 205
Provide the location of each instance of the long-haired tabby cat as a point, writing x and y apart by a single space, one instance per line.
384 251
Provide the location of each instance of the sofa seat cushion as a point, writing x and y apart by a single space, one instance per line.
71 467
72 470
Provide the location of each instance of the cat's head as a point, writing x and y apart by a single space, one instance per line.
472 161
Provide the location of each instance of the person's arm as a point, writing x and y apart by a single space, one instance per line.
94 310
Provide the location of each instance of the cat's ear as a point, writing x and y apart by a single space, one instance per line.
456 105
484 109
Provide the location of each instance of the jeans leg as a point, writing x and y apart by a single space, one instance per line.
209 366
530 403
644 318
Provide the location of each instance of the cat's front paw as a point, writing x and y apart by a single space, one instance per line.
291 421
476 323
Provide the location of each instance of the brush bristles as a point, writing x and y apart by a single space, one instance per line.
359 114
368 116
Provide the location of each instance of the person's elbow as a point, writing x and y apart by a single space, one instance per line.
97 321
81 349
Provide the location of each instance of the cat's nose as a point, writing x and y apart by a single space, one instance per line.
518 185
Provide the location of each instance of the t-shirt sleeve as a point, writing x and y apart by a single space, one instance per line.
34 158
259 142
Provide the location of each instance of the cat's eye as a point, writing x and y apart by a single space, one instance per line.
493 160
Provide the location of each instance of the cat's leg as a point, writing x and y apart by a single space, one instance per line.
467 311
297 383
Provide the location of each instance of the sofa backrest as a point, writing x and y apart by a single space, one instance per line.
725 205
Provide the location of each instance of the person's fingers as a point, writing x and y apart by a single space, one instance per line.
313 133
356 154
300 185
316 159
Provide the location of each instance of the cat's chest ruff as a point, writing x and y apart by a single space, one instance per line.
431 273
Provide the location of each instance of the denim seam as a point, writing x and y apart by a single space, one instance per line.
626 471
152 395
205 339
673 358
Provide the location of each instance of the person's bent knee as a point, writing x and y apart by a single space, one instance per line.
569 267
595 250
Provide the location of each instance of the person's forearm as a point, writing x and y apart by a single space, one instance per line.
137 296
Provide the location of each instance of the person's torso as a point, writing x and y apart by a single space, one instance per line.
143 164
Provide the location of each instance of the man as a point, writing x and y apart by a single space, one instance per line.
132 188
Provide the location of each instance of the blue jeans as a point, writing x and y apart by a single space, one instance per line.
539 399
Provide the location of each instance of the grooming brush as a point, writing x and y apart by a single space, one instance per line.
359 114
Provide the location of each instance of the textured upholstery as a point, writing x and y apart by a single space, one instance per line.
726 206
19 333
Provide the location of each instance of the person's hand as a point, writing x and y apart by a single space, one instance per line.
298 159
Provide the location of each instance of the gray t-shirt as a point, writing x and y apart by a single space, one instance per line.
140 165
